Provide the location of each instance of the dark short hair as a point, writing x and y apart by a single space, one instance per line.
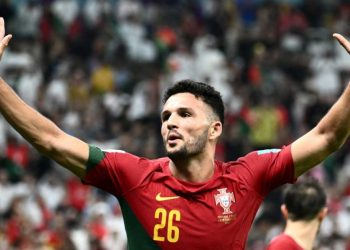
201 90
304 200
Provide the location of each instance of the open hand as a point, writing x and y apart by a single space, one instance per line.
343 41
4 40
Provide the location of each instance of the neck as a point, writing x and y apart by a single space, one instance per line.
304 233
193 169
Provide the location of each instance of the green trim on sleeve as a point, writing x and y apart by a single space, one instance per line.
95 156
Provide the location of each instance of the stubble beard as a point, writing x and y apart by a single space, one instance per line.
189 150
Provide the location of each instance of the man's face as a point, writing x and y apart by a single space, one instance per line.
185 125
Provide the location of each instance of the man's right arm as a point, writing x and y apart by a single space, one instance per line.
42 133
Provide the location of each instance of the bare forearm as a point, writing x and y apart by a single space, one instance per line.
328 136
336 123
28 122
42 133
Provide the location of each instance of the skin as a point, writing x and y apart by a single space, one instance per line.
303 232
197 133
42 133
190 130
329 134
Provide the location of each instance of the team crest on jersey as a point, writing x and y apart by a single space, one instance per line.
225 200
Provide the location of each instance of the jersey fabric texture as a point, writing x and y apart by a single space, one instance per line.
162 212
283 241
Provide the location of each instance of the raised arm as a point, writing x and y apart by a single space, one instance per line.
329 134
42 133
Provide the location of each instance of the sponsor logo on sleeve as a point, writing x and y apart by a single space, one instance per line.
267 151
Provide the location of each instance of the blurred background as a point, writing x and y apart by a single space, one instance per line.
98 69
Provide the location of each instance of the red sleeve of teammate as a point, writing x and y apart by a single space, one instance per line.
116 171
268 169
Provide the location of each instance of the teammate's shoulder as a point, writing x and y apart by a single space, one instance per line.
283 240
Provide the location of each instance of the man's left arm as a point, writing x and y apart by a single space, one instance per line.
328 135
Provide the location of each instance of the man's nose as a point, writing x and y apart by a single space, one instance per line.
172 122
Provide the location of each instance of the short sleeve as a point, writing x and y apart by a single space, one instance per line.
114 171
267 169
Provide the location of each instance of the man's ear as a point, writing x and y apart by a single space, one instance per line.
284 211
322 213
215 130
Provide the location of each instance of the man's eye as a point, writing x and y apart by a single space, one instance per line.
165 117
186 114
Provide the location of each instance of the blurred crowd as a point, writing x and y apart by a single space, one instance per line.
98 69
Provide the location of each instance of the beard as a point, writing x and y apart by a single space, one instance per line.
189 149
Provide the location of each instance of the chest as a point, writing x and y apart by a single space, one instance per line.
218 215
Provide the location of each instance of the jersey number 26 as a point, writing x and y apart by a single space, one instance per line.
166 220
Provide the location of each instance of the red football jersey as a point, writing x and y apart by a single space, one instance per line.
162 212
283 241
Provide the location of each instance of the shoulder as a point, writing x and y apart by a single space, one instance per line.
99 156
254 157
261 156
283 241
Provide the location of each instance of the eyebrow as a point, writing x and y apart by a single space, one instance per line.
185 109
178 109
181 109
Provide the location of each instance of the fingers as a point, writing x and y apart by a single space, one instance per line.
343 41
2 28
5 41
